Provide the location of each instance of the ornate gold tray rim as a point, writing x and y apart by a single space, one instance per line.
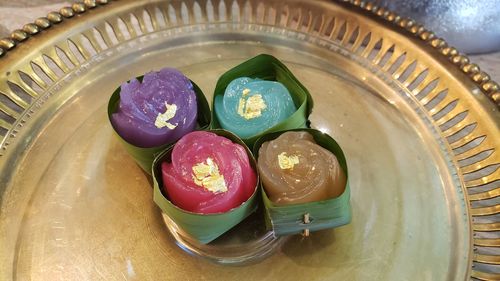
481 78
36 34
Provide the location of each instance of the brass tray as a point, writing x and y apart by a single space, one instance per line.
418 122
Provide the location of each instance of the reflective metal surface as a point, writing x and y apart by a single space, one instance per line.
468 25
417 132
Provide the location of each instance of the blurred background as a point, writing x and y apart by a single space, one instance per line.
470 25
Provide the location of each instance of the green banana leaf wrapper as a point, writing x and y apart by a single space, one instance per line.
144 156
267 67
289 219
203 227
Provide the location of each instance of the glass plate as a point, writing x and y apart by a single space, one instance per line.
418 135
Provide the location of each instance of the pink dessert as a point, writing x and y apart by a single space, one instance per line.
208 174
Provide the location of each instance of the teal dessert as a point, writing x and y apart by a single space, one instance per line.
251 106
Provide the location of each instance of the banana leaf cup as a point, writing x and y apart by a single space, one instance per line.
203 227
144 156
307 217
268 68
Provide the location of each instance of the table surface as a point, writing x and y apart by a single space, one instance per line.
14 14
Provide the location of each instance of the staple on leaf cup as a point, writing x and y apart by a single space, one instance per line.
212 223
318 201
143 153
259 96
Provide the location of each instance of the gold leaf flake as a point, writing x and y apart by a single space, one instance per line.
162 118
207 175
245 92
251 107
287 162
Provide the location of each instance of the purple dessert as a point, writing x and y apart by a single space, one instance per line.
158 111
